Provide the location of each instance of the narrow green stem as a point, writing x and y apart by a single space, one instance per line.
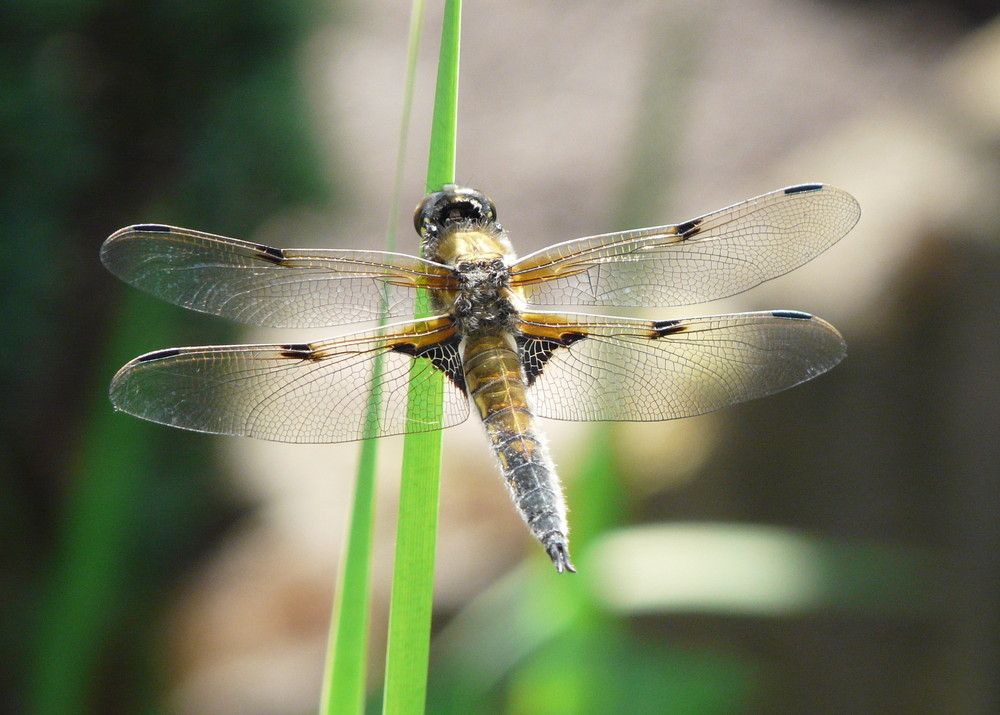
347 650
413 577
444 128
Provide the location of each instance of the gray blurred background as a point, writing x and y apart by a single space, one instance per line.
830 549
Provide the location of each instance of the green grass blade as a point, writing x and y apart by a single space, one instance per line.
347 651
444 127
413 576
413 579
412 50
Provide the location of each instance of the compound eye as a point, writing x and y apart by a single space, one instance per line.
474 206
425 210
453 204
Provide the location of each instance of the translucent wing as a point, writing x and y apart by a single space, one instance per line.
602 368
311 392
717 255
265 286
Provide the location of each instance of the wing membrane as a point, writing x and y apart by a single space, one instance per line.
264 286
312 392
714 256
603 368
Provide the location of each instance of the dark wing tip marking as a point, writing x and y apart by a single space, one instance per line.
668 327
302 351
152 228
796 314
803 188
158 355
689 228
270 254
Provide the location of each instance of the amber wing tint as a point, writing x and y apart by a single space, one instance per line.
604 368
714 256
308 392
266 286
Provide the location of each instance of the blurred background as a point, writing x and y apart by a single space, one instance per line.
831 549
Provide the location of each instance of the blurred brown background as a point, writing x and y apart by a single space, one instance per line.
830 549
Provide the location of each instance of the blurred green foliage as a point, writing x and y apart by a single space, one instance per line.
117 112
192 113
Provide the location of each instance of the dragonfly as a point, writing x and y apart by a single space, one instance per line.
489 329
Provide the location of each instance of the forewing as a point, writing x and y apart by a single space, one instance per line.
311 392
714 256
602 368
265 286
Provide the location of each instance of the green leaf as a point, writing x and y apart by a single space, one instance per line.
413 575
347 651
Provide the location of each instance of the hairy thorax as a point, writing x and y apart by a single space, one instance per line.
484 302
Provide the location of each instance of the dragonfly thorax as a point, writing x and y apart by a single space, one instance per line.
488 331
483 301
459 229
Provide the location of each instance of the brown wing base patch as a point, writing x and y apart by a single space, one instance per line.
537 340
443 354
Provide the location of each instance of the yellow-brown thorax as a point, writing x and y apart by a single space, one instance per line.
459 229
485 309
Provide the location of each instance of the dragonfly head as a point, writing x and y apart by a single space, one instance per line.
453 206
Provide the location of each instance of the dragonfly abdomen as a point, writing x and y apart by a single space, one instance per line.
497 387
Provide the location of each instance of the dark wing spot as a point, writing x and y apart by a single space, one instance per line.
689 228
443 355
535 352
301 351
803 188
668 327
152 228
797 314
405 348
270 254
159 355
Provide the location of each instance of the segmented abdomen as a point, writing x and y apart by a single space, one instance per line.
496 384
